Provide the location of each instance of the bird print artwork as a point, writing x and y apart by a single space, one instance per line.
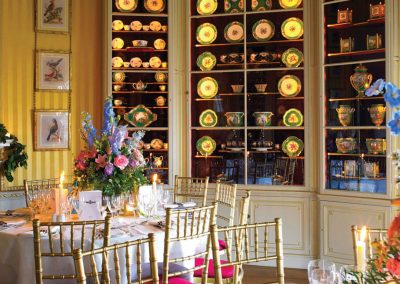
54 70
51 13
54 133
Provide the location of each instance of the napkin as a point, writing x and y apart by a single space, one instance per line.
17 212
189 204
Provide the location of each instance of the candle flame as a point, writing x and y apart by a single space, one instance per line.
62 178
155 178
363 234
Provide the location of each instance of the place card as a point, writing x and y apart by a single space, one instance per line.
88 205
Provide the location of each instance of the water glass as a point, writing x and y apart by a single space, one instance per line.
321 272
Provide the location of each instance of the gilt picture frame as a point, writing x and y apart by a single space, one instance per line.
53 71
53 16
52 130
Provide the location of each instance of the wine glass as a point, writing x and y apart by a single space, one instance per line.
321 271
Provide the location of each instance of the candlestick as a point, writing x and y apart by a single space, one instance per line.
361 250
154 194
60 194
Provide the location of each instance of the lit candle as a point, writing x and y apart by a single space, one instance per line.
61 194
154 183
360 250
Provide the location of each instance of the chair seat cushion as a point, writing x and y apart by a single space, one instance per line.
222 244
173 267
227 271
177 280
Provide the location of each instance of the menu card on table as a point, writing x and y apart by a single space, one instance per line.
90 205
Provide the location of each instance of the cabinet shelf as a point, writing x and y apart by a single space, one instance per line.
148 83
290 98
263 94
357 99
340 128
275 127
155 150
150 15
275 41
151 107
148 128
139 32
357 155
217 15
140 49
357 178
159 168
264 152
139 70
217 128
220 44
208 157
139 92
205 100
356 53
359 24
355 62
232 152
232 94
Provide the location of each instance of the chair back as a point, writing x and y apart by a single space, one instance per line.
372 235
120 259
244 208
184 227
225 196
32 185
241 234
187 188
60 239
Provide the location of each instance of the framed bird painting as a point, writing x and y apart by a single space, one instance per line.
52 71
53 16
51 130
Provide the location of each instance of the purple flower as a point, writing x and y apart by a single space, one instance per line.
392 95
117 138
109 119
394 124
376 88
89 132
109 168
133 163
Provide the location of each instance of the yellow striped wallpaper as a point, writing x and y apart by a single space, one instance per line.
17 66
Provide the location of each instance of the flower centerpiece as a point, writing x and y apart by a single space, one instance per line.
111 161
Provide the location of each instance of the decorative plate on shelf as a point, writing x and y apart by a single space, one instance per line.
160 44
233 6
234 32
154 6
117 25
292 28
289 86
136 26
155 62
136 62
126 6
207 88
140 116
155 26
206 7
117 62
263 30
261 5
118 76
206 61
292 146
292 57
208 118
206 33
293 117
206 145
156 144
290 4
117 43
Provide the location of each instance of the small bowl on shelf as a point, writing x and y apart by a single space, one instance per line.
139 43
346 145
376 146
237 88
260 87
146 28
118 102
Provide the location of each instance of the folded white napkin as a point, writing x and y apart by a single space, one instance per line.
189 204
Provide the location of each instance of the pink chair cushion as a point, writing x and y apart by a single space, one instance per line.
222 244
177 280
227 271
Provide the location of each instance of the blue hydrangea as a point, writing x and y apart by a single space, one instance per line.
392 95
376 88
394 124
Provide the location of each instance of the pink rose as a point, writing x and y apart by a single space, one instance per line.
121 162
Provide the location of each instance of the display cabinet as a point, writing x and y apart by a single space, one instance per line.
354 127
139 74
247 91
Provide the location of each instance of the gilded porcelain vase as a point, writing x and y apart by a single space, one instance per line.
377 113
234 118
361 79
263 118
345 114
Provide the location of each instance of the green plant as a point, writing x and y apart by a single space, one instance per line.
17 156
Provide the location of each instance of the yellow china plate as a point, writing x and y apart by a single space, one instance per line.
289 86
207 88
292 28
206 33
206 7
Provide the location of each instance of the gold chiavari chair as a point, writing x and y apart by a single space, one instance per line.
191 188
372 235
146 272
241 250
32 185
59 240
187 226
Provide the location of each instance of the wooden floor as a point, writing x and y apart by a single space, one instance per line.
258 275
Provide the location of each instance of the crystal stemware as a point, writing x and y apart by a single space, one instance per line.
321 271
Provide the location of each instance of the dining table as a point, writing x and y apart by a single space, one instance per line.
17 265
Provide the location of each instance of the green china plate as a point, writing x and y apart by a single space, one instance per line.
292 146
206 7
206 33
263 30
207 88
292 28
289 86
290 4
292 57
234 32
154 6
206 61
126 6
208 118
140 116
261 5
293 117
206 145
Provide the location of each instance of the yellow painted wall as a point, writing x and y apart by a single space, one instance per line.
17 58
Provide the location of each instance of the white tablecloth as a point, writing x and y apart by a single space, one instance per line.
17 265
